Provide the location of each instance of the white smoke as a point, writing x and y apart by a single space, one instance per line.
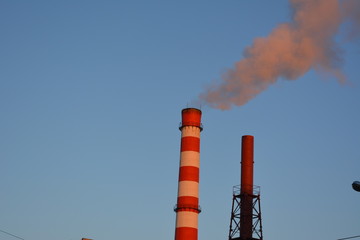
291 50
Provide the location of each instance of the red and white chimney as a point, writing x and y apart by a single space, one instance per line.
187 208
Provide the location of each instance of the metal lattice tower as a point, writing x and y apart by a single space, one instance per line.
234 232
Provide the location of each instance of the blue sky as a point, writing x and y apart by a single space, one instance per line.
90 98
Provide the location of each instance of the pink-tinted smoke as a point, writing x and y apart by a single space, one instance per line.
291 49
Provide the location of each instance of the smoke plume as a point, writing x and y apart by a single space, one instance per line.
291 50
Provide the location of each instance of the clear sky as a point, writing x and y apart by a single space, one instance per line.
90 97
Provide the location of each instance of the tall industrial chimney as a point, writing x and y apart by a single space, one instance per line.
246 190
187 208
245 221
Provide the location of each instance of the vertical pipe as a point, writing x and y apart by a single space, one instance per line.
247 167
187 208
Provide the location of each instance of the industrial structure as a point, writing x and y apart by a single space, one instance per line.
187 208
245 221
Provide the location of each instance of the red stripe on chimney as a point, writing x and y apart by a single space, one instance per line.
190 144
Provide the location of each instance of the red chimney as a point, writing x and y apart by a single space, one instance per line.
247 178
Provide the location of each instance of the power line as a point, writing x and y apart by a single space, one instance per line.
11 235
349 237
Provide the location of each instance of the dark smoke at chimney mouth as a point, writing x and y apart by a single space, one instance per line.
291 50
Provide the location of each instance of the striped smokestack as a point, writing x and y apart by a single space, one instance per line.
187 208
